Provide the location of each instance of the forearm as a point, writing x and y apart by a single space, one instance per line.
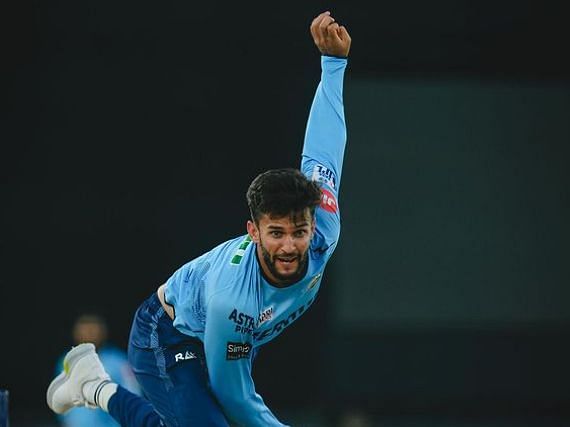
229 368
325 137
250 411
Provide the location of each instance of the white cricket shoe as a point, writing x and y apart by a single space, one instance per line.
81 365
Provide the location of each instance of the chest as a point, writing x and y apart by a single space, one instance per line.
281 308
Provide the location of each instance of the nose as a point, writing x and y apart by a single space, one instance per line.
288 245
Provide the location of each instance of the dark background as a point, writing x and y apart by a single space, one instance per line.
130 132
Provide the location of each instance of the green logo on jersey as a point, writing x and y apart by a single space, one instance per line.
241 250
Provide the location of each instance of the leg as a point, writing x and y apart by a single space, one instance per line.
128 410
180 394
170 368
84 382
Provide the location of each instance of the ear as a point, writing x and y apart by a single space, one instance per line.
313 225
253 231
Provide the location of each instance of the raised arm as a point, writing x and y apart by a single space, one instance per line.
325 137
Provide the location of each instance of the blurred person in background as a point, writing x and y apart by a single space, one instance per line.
93 328
355 418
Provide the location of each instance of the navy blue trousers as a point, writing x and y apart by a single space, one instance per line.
171 370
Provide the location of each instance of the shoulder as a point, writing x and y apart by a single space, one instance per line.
226 254
235 284
235 267
195 270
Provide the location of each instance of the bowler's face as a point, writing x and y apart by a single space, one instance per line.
282 245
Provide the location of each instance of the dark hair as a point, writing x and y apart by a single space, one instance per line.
281 192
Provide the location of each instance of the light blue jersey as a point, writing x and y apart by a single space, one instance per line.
222 297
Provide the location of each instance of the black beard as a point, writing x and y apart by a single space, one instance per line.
288 279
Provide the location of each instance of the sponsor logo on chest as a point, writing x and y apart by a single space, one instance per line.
237 350
265 315
245 324
278 327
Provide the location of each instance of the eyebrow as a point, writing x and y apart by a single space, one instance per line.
279 227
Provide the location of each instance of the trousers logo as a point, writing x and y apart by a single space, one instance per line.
180 356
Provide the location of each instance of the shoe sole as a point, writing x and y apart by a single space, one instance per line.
69 362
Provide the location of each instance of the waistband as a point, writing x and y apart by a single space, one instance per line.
153 327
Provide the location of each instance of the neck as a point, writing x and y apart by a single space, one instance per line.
266 272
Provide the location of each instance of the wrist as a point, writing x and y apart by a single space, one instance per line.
335 56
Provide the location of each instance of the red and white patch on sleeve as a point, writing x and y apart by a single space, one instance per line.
328 201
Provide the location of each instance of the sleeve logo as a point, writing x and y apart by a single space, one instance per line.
240 252
324 175
328 201
238 350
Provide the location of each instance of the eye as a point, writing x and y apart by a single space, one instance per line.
275 233
300 233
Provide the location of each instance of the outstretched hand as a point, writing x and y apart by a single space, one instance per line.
330 37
